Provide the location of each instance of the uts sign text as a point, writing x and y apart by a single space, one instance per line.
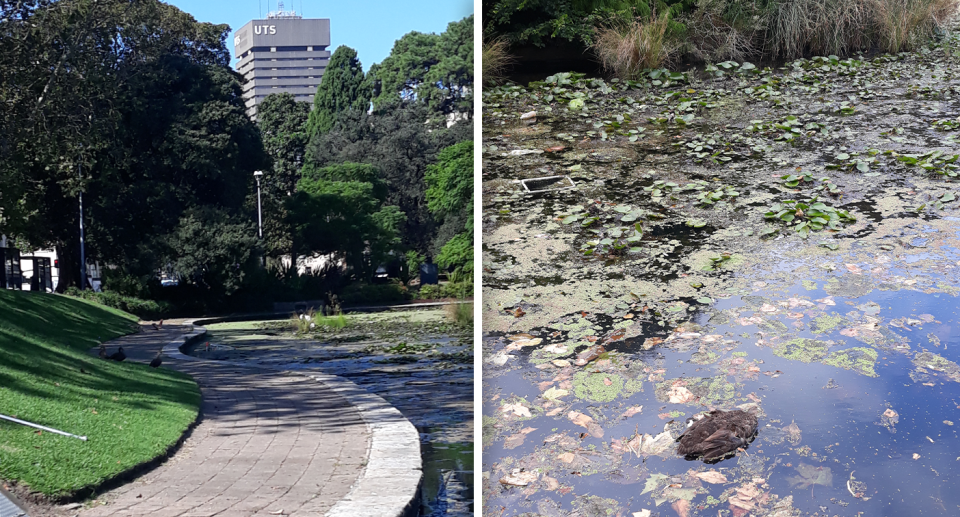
264 29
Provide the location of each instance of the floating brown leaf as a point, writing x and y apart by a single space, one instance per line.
712 476
682 507
651 342
518 478
589 355
586 422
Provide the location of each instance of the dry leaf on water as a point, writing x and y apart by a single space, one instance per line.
518 478
682 507
651 342
556 348
516 440
551 483
680 395
632 411
587 422
589 355
712 476
517 409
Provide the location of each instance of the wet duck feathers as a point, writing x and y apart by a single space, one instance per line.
717 434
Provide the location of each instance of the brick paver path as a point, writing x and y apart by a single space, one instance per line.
267 442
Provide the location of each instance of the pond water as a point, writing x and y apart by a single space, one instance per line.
418 362
784 241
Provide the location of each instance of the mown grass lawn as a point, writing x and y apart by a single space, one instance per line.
129 412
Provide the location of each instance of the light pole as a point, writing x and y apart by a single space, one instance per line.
83 258
257 174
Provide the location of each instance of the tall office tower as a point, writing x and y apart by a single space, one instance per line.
283 53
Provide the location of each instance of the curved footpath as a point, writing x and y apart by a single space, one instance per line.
269 442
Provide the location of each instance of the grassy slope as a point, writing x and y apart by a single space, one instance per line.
130 413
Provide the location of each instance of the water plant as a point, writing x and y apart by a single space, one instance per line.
808 215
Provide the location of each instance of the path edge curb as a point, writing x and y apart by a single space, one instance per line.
389 484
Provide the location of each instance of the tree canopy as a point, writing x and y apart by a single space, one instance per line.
132 103
339 210
343 88
450 196
432 69
283 128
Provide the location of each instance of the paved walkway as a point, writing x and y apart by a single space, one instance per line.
267 442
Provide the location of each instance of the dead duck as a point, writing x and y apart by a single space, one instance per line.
157 361
717 434
118 355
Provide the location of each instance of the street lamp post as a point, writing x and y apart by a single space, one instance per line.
257 174
83 258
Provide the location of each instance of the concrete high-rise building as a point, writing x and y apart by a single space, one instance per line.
283 53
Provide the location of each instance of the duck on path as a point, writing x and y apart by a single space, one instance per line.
118 355
157 361
717 434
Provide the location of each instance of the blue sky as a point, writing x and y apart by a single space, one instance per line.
369 26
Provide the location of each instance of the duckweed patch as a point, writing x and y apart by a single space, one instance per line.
802 349
858 359
597 387
827 323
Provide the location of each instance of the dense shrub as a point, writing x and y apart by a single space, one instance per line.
429 292
495 60
627 49
456 290
631 35
363 293
145 309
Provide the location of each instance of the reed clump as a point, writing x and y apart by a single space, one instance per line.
626 49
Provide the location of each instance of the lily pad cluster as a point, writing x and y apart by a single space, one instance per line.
809 215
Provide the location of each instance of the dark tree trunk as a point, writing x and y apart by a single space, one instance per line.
69 272
294 245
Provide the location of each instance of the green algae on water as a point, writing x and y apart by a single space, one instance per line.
593 386
827 323
802 349
858 359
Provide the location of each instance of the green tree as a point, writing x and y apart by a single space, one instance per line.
435 70
339 210
132 103
400 144
283 128
343 88
450 196
215 250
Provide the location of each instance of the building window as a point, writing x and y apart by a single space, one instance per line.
309 49
273 49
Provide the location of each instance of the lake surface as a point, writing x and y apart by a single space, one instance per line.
785 241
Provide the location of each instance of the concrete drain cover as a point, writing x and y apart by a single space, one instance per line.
547 184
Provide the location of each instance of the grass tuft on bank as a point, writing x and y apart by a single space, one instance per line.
129 412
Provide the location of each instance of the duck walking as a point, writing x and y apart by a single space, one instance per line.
118 355
103 351
717 434
157 361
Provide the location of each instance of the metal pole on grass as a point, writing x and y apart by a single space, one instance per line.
38 426
83 258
